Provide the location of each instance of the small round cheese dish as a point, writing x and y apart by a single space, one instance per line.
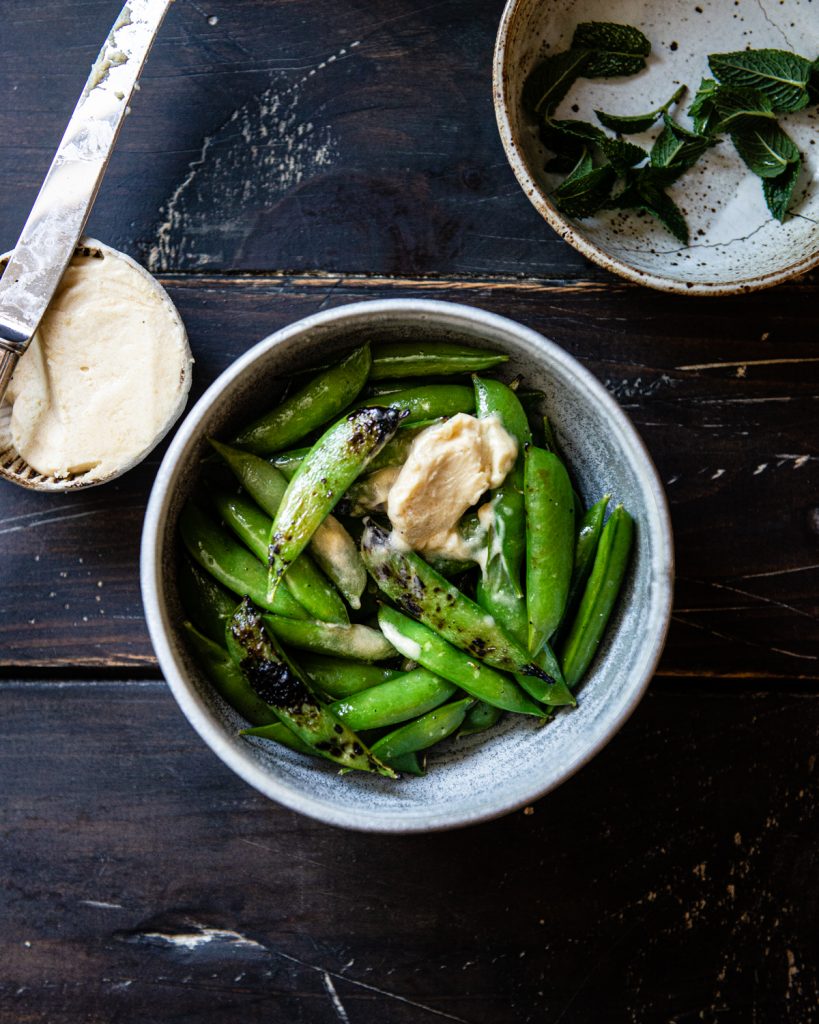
105 377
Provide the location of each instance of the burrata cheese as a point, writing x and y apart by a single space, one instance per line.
106 374
449 466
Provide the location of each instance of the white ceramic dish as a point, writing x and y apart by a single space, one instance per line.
483 776
14 467
736 245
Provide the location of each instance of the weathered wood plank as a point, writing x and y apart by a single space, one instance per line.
143 881
725 394
286 135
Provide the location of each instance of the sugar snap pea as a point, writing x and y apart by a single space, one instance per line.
394 453
360 643
550 540
420 359
227 678
341 677
599 596
207 604
333 548
231 563
424 732
499 588
407 696
408 764
315 404
256 652
306 583
333 463
422 644
588 537
427 402
480 718
279 733
426 595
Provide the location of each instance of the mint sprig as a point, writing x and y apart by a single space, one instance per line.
778 191
614 50
782 76
633 124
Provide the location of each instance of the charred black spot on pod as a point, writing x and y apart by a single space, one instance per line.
274 683
338 729
358 749
477 646
533 670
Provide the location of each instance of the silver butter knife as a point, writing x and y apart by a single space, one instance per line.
59 214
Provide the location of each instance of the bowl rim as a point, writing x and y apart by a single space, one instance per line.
202 718
569 233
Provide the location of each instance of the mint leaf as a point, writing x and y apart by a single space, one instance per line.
645 191
621 154
764 146
813 82
702 110
779 190
633 124
586 189
550 80
782 76
678 148
733 105
616 49
567 129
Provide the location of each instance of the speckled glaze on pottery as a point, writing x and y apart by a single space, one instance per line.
735 244
479 777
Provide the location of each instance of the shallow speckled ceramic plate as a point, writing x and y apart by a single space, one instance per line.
483 776
735 243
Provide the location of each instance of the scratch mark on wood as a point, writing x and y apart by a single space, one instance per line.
102 905
338 1006
746 363
779 572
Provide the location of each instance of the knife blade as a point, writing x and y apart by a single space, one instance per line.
53 228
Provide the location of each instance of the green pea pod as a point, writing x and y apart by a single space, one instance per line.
230 563
279 733
499 590
420 359
550 540
599 596
427 402
340 677
316 403
424 732
314 592
407 696
394 453
333 463
360 643
208 604
227 678
588 537
408 764
425 646
333 548
256 652
480 718
426 595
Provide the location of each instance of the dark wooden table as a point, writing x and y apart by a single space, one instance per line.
292 156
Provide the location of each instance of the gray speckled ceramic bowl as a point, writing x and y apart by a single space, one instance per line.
477 778
736 245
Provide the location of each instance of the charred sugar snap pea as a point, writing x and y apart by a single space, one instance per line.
258 655
227 678
499 589
407 696
427 402
333 463
599 596
421 359
316 403
230 563
359 643
209 605
550 541
426 595
311 588
424 732
394 453
279 733
333 548
341 677
422 644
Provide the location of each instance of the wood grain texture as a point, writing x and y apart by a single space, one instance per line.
144 882
725 394
349 138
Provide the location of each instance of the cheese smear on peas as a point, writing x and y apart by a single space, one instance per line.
106 373
449 466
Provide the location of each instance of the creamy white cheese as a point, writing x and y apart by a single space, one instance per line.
106 374
449 466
